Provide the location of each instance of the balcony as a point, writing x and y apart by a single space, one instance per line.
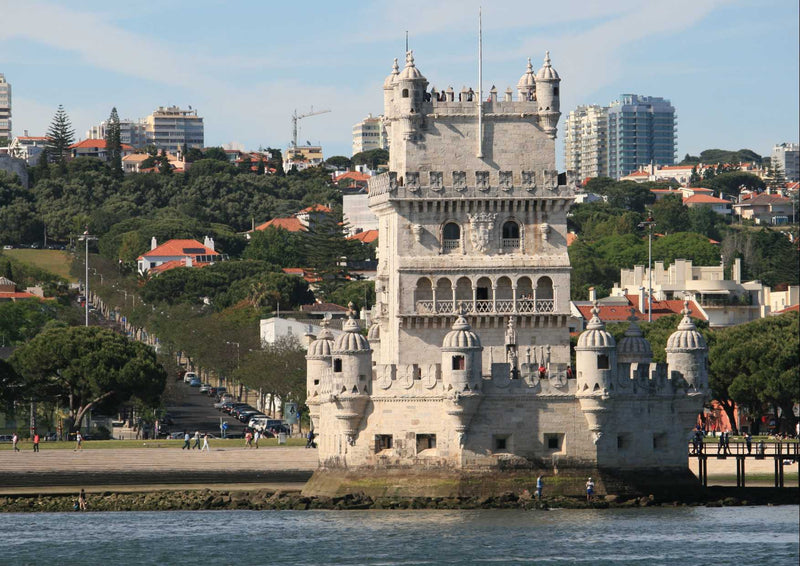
483 307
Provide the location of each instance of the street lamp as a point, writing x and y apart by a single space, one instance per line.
86 237
649 223
237 359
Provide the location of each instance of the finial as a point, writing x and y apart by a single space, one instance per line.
546 58
351 311
410 58
462 309
686 310
632 317
595 310
395 67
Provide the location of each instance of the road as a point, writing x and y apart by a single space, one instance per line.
191 410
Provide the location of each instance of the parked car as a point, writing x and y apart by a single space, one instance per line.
188 376
205 387
195 382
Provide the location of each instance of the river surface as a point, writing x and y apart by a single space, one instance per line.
653 536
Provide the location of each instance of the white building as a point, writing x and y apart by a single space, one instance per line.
131 132
466 367
5 108
787 157
585 139
172 128
305 331
369 134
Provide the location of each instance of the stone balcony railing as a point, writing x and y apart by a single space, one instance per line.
498 306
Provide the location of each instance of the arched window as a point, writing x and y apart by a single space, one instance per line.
405 93
451 236
510 235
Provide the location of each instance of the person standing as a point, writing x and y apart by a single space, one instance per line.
15 441
82 500
186 445
248 439
36 442
748 440
256 438
78 441
205 443
196 439
589 489
539 487
721 444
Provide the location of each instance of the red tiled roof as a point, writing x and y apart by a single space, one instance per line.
668 191
620 313
175 263
294 271
704 199
365 237
99 144
177 248
32 138
638 174
354 175
765 199
699 189
323 307
675 167
291 224
315 208
572 237
793 308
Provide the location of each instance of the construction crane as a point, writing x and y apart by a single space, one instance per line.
296 117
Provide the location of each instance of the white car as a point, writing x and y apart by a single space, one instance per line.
189 376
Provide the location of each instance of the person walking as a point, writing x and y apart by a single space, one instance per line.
589 489
205 444
15 441
539 486
256 438
196 439
186 444
727 443
36 442
721 444
82 500
310 439
78 441
248 439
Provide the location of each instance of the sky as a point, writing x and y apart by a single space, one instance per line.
730 67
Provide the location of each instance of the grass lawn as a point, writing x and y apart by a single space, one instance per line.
54 261
103 444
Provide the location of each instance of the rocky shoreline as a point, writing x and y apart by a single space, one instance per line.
266 499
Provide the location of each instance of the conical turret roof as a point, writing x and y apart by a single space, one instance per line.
687 337
547 72
596 336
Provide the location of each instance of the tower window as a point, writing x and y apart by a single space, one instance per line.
458 362
425 442
501 442
602 361
451 236
554 441
383 442
405 93
337 365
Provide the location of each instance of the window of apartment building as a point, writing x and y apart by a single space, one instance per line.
425 442
383 442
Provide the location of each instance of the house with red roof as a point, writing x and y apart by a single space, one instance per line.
8 292
718 205
298 222
621 309
177 253
766 208
96 149
365 236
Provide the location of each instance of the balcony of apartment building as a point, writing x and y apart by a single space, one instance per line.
484 295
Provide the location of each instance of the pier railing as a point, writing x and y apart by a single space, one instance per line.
781 453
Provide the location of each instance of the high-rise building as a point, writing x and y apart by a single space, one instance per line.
616 140
368 134
130 132
5 108
171 128
641 131
587 141
784 155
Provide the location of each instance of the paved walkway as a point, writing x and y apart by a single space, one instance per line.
150 466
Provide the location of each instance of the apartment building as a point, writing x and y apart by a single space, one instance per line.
5 108
171 128
369 134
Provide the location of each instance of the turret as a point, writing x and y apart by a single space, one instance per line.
318 371
634 348
388 90
687 354
526 87
461 358
409 96
352 375
548 97
596 365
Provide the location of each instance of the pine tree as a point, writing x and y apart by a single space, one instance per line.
114 143
60 136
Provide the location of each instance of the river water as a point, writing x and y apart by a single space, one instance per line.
652 536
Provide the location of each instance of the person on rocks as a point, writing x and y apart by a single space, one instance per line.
196 439
539 487
186 441
589 489
205 444
15 441
36 440
82 500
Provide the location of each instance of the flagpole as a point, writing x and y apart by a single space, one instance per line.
480 83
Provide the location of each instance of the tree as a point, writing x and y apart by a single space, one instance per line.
339 162
686 245
216 153
756 365
89 368
326 249
371 158
671 215
60 136
114 144
733 182
277 246
360 293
